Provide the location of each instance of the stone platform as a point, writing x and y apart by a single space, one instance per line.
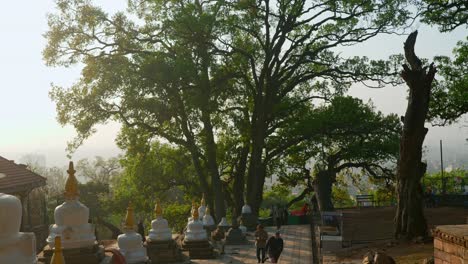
89 255
235 237
451 244
199 249
163 251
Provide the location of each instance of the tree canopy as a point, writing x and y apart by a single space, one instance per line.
222 80
350 136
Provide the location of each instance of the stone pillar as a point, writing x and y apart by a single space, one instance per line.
451 244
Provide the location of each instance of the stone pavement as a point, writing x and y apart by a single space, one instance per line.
297 248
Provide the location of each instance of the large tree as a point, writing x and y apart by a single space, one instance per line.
160 76
290 49
347 135
99 170
410 220
190 71
442 101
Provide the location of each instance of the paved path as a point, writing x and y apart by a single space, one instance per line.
297 248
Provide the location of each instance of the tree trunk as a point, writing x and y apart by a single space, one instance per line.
409 220
323 184
220 210
300 197
257 170
239 179
309 188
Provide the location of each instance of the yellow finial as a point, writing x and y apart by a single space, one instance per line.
57 257
195 214
203 202
71 186
129 218
158 209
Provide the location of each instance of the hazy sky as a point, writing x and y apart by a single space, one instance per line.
28 123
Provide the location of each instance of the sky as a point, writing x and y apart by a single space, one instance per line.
27 115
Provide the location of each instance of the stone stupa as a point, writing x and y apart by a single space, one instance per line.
247 218
202 208
15 247
234 235
130 242
224 225
208 222
71 224
160 245
196 238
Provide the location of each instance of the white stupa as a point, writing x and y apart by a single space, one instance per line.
195 231
242 227
207 218
71 218
160 230
246 209
202 208
223 222
15 247
130 242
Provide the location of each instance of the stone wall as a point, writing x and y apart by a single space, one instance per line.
451 244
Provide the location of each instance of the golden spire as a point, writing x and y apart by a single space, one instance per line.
57 257
195 214
207 211
71 186
203 202
129 218
194 206
158 209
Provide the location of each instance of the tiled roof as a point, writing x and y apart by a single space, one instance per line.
16 178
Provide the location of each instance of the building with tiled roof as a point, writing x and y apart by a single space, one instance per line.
18 180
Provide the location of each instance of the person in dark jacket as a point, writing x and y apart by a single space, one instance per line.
274 247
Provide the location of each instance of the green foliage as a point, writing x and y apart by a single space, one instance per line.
212 77
343 135
161 172
384 196
446 14
99 170
176 214
455 181
96 196
341 197
278 195
264 213
450 93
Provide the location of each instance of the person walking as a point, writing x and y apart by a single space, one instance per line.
277 216
261 237
274 247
